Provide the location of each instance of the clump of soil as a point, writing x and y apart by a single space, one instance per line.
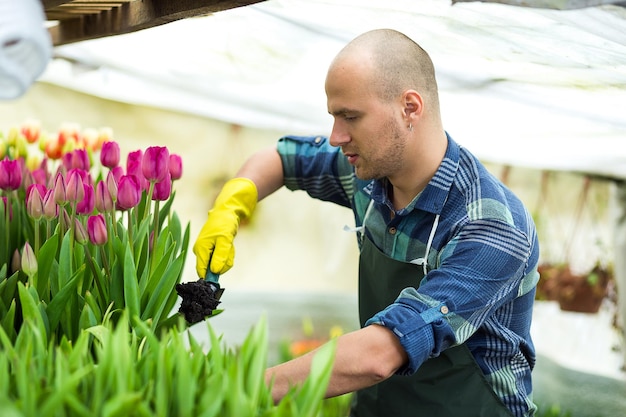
199 300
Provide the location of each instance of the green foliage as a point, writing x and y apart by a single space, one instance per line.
111 371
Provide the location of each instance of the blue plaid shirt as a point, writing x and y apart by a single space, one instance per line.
482 259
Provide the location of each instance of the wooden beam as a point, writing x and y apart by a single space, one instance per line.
128 16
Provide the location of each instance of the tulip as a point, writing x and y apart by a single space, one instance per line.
162 189
87 204
80 234
154 163
176 166
113 178
76 159
16 260
104 202
74 190
29 260
50 207
10 174
60 193
40 176
110 154
31 130
34 201
53 149
128 192
97 229
133 167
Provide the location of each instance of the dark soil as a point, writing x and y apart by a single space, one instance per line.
199 299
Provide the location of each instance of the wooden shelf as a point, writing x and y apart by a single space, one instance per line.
78 20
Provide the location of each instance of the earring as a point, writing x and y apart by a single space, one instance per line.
410 127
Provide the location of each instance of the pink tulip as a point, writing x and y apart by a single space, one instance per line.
80 234
40 176
74 190
97 229
50 207
133 167
10 174
34 200
110 154
128 192
112 181
176 166
29 261
60 193
154 164
77 159
162 189
104 202
87 204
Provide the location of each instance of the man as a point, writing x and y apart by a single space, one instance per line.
448 263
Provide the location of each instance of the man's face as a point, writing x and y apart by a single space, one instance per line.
368 130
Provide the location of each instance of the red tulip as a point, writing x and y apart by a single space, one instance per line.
154 164
97 229
128 192
87 204
110 154
176 166
162 189
10 174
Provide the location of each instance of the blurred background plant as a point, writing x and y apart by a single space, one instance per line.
83 237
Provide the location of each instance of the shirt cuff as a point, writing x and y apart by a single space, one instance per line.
423 332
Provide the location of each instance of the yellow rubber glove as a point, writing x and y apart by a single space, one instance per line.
235 202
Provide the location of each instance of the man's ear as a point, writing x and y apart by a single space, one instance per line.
413 104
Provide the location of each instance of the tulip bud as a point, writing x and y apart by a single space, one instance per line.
162 189
128 192
110 154
29 261
34 201
80 234
87 204
97 229
176 166
50 207
104 202
112 180
16 261
10 175
60 193
133 167
154 163
74 190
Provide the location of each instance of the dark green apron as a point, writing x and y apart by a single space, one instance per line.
450 385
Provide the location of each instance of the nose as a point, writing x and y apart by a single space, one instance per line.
339 136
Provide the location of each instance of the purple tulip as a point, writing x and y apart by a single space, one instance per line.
133 167
10 174
176 166
97 229
162 189
154 164
128 192
110 154
87 204
104 202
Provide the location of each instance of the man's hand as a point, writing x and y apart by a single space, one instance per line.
235 202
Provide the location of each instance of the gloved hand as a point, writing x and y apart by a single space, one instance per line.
235 202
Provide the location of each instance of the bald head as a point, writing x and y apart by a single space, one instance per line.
395 62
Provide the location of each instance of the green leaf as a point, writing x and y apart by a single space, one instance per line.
166 285
30 310
59 302
131 287
45 259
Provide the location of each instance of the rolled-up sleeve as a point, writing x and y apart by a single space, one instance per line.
423 331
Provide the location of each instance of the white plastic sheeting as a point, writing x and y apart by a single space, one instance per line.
522 86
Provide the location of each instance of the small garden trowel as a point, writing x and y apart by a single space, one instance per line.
200 298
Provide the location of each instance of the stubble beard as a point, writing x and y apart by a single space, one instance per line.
383 161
